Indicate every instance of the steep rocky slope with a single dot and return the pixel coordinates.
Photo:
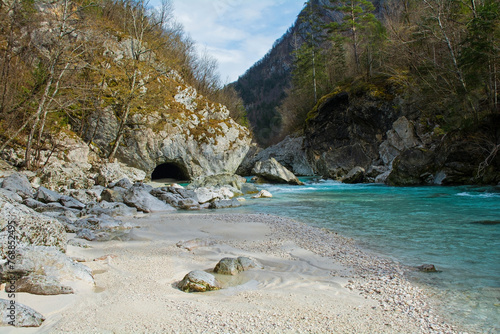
(114, 75)
(374, 127)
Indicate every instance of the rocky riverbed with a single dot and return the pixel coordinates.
(310, 280)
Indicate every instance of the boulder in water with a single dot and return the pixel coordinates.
(427, 268)
(272, 171)
(263, 194)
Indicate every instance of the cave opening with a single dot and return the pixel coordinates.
(171, 172)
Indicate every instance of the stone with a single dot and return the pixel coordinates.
(30, 227)
(355, 175)
(25, 316)
(144, 201)
(188, 204)
(228, 266)
(263, 194)
(41, 285)
(111, 209)
(249, 263)
(114, 172)
(233, 266)
(59, 175)
(90, 235)
(218, 181)
(102, 223)
(413, 167)
(199, 281)
(113, 195)
(33, 203)
(47, 261)
(206, 195)
(12, 195)
(19, 184)
(195, 243)
(122, 183)
(272, 171)
(225, 203)
(70, 202)
(428, 268)
(249, 188)
(143, 187)
(47, 196)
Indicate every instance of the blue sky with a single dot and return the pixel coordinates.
(236, 32)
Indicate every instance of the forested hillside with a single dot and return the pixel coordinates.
(66, 66)
(444, 55)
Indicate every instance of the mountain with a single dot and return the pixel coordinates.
(264, 86)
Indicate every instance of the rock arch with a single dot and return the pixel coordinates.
(171, 170)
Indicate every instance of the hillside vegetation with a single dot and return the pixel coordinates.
(65, 63)
(442, 55)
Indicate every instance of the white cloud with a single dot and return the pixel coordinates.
(236, 32)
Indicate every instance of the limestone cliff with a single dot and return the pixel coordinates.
(124, 84)
(377, 128)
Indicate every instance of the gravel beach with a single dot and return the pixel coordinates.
(312, 281)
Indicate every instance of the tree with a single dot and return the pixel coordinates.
(479, 57)
(357, 18)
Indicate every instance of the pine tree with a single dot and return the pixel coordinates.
(357, 18)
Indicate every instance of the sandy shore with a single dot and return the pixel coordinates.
(313, 281)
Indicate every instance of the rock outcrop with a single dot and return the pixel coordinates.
(289, 152)
(345, 130)
(181, 128)
(374, 128)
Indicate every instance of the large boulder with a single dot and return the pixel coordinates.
(355, 175)
(289, 152)
(115, 172)
(144, 201)
(46, 261)
(41, 285)
(28, 226)
(19, 314)
(45, 195)
(19, 184)
(273, 172)
(110, 209)
(199, 281)
(415, 166)
(217, 181)
(59, 175)
(233, 266)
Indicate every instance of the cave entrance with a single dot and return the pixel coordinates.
(169, 172)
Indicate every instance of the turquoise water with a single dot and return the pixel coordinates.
(455, 228)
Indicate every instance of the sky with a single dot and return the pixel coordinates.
(236, 32)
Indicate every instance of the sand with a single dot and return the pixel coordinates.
(312, 281)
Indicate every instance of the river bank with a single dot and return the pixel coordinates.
(312, 280)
